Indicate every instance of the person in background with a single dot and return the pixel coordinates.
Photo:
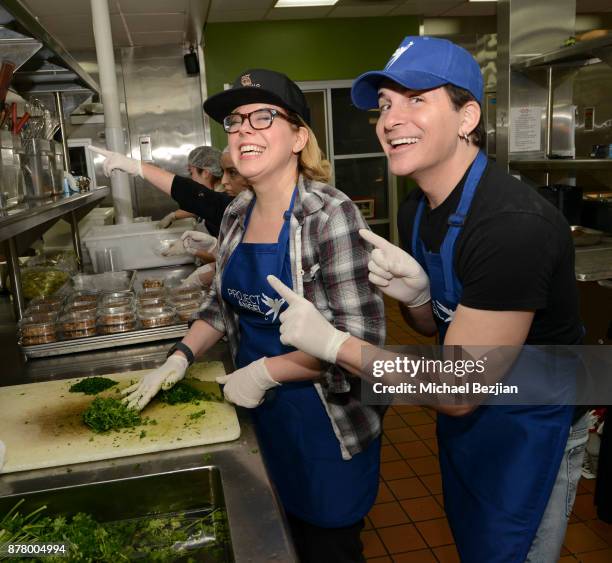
(232, 181)
(320, 443)
(485, 261)
(190, 195)
(204, 167)
(204, 202)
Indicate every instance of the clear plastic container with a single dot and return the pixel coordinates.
(146, 302)
(117, 327)
(151, 283)
(80, 333)
(42, 309)
(37, 329)
(77, 321)
(36, 326)
(187, 310)
(53, 301)
(84, 296)
(116, 315)
(34, 340)
(82, 301)
(117, 299)
(186, 296)
(157, 316)
(152, 292)
(81, 307)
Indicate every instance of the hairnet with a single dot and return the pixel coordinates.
(208, 158)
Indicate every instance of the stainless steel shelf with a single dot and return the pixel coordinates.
(581, 53)
(92, 343)
(584, 164)
(23, 218)
(25, 22)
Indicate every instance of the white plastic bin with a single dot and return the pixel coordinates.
(139, 244)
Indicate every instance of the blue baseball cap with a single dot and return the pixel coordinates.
(421, 63)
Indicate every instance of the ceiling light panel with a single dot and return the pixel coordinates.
(303, 3)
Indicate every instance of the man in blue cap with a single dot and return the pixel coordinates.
(484, 262)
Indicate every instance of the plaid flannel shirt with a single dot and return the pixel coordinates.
(329, 266)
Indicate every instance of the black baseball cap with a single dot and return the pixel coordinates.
(258, 85)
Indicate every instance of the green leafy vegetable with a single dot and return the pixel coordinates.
(197, 415)
(106, 414)
(92, 385)
(165, 537)
(182, 393)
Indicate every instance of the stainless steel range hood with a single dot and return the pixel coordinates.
(49, 67)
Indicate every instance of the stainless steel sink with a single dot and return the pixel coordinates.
(193, 492)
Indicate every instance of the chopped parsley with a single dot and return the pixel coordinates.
(92, 385)
(106, 414)
(196, 415)
(181, 393)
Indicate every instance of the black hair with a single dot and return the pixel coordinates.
(459, 97)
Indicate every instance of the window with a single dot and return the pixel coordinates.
(347, 136)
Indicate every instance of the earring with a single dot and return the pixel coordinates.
(465, 137)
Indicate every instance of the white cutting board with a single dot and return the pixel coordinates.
(41, 425)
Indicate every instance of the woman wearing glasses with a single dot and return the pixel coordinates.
(320, 443)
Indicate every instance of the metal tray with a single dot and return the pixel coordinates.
(92, 343)
(108, 281)
(171, 275)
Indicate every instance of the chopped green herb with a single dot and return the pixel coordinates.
(106, 414)
(181, 393)
(92, 385)
(143, 433)
(164, 537)
(197, 415)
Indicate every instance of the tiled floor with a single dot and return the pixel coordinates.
(407, 523)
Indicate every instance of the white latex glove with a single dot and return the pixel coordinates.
(2, 453)
(303, 327)
(177, 248)
(116, 161)
(167, 220)
(247, 386)
(201, 277)
(137, 396)
(196, 241)
(395, 272)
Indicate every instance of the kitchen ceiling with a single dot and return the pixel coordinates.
(164, 22)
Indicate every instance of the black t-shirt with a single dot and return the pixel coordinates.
(196, 198)
(515, 252)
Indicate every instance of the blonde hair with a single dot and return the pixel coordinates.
(311, 161)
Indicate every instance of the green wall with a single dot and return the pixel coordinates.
(325, 49)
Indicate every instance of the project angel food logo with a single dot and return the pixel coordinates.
(255, 302)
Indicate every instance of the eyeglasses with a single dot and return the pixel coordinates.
(258, 119)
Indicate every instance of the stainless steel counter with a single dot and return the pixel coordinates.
(257, 526)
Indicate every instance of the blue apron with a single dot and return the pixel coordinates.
(499, 463)
(296, 437)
